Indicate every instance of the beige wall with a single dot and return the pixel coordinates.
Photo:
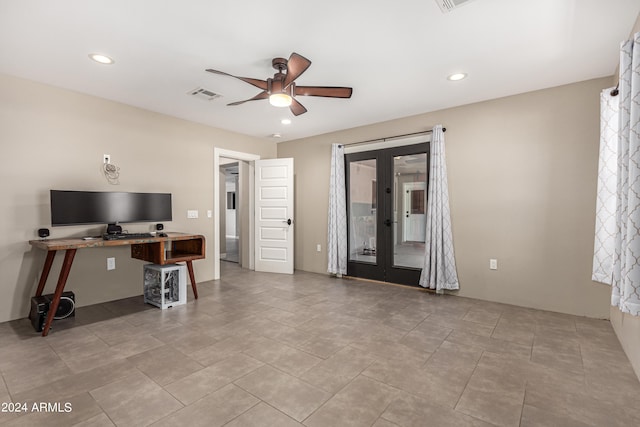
(522, 182)
(54, 138)
(628, 327)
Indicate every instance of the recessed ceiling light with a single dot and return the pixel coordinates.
(457, 76)
(102, 59)
(285, 121)
(276, 135)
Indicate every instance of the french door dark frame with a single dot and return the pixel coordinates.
(383, 269)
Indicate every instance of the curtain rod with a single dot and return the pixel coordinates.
(390, 137)
(615, 91)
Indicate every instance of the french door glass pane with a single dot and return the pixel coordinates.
(409, 209)
(362, 210)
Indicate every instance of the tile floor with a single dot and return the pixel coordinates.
(308, 350)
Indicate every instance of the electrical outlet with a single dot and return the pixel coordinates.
(493, 264)
(106, 158)
(192, 214)
(209, 214)
(111, 263)
(318, 248)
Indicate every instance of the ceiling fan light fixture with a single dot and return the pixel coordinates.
(282, 89)
(280, 100)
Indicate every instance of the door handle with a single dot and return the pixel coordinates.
(387, 222)
(288, 221)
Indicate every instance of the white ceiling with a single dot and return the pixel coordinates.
(395, 55)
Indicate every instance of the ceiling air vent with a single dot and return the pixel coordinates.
(449, 5)
(205, 94)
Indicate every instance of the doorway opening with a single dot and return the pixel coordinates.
(244, 203)
(386, 209)
(230, 226)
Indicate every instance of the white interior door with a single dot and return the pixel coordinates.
(274, 215)
(414, 205)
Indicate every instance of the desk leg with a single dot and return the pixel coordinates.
(62, 280)
(193, 278)
(45, 272)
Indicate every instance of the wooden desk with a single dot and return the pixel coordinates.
(184, 248)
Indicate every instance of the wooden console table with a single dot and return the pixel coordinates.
(184, 248)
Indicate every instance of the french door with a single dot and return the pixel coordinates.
(387, 206)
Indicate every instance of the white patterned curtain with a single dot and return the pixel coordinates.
(439, 268)
(337, 226)
(625, 292)
(605, 236)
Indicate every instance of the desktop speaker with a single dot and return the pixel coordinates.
(159, 227)
(43, 233)
(40, 308)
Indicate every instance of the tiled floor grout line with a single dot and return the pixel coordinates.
(468, 380)
(524, 399)
(245, 411)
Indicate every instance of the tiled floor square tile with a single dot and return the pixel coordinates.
(215, 409)
(421, 341)
(410, 411)
(226, 347)
(288, 394)
(100, 420)
(493, 405)
(534, 417)
(202, 382)
(358, 404)
(320, 347)
(492, 345)
(165, 364)
(484, 317)
(381, 422)
(567, 400)
(135, 401)
(283, 357)
(263, 415)
(520, 333)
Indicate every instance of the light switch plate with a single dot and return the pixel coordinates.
(493, 264)
(192, 214)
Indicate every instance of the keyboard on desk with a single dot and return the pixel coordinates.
(125, 236)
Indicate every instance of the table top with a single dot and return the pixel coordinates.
(79, 242)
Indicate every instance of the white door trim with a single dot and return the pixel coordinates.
(236, 155)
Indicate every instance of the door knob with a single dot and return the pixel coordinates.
(288, 221)
(387, 222)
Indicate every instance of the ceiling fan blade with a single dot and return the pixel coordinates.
(262, 84)
(296, 65)
(261, 95)
(297, 108)
(326, 91)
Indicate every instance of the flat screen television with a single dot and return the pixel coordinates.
(108, 207)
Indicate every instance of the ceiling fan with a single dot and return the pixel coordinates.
(281, 89)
